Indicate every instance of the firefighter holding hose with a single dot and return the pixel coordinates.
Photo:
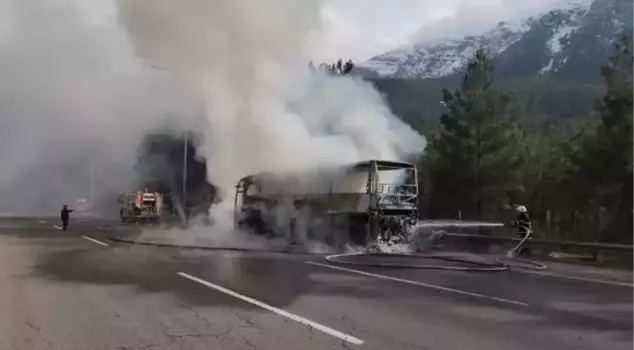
(522, 225)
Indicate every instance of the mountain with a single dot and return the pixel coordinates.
(571, 42)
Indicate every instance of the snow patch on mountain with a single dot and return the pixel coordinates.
(547, 37)
(555, 42)
(441, 58)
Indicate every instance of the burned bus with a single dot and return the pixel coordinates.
(356, 204)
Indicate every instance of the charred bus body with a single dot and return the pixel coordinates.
(356, 204)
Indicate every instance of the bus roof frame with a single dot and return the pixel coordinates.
(358, 166)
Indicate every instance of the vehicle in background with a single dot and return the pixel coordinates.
(141, 206)
(82, 205)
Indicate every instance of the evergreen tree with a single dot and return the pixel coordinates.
(604, 165)
(473, 158)
(545, 177)
(338, 68)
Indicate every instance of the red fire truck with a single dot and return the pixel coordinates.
(141, 206)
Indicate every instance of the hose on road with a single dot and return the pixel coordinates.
(207, 247)
(373, 259)
(500, 263)
(477, 266)
(511, 256)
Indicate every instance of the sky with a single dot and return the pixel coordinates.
(360, 29)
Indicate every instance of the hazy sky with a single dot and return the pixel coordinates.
(360, 29)
(363, 28)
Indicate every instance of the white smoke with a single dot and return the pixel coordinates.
(73, 97)
(265, 111)
(80, 88)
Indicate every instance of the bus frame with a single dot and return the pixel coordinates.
(379, 210)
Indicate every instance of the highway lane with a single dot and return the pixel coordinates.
(60, 290)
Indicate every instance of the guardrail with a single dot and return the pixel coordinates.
(595, 249)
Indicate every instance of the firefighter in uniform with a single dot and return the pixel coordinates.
(522, 225)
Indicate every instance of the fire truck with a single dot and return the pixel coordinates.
(141, 206)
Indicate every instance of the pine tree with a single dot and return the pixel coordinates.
(605, 161)
(474, 157)
(338, 68)
(545, 177)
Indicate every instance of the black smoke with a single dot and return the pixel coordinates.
(161, 162)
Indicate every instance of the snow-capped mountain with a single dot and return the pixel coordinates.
(562, 41)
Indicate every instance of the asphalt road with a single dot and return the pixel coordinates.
(79, 290)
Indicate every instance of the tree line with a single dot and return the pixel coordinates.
(574, 176)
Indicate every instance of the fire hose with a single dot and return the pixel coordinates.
(499, 263)
(511, 256)
(495, 266)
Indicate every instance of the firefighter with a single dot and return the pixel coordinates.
(65, 216)
(523, 222)
(522, 225)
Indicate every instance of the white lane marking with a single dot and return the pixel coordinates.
(420, 284)
(95, 241)
(584, 279)
(273, 309)
(42, 221)
(57, 227)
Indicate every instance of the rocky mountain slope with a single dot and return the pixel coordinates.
(570, 42)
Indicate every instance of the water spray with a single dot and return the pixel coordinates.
(459, 223)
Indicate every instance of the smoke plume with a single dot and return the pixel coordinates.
(74, 103)
(265, 111)
(84, 80)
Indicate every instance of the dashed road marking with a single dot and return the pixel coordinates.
(42, 221)
(299, 319)
(95, 241)
(420, 284)
(57, 227)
